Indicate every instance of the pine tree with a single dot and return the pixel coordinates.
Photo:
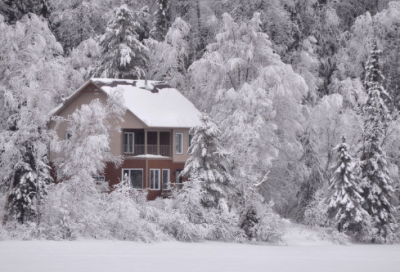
(123, 55)
(377, 184)
(161, 21)
(345, 192)
(207, 164)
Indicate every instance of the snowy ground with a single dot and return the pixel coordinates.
(303, 252)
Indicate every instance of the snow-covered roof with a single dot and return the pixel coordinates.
(157, 105)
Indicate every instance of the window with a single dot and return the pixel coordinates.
(99, 178)
(165, 178)
(154, 179)
(134, 177)
(129, 139)
(68, 135)
(179, 143)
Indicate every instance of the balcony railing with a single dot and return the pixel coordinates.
(152, 149)
(165, 150)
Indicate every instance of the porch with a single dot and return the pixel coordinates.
(142, 142)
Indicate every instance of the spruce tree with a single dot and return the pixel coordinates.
(123, 55)
(345, 192)
(377, 184)
(161, 20)
(207, 164)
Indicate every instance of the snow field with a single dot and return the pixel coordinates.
(304, 251)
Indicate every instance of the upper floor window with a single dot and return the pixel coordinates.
(179, 143)
(129, 139)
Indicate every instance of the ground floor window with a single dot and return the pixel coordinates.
(165, 178)
(155, 179)
(99, 178)
(134, 176)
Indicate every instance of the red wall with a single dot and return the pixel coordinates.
(114, 175)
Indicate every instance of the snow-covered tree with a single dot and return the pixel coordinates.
(377, 183)
(258, 219)
(161, 20)
(208, 164)
(168, 58)
(32, 76)
(77, 198)
(315, 211)
(345, 200)
(243, 84)
(313, 177)
(210, 184)
(123, 54)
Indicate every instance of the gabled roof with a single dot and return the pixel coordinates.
(157, 105)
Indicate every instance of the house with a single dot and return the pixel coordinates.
(154, 137)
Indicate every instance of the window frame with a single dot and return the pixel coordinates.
(133, 142)
(162, 175)
(130, 183)
(159, 179)
(99, 176)
(181, 143)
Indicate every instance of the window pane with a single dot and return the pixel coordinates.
(157, 179)
(178, 143)
(151, 179)
(165, 177)
(137, 179)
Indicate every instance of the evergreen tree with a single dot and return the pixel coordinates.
(161, 20)
(210, 189)
(345, 198)
(207, 164)
(123, 55)
(377, 184)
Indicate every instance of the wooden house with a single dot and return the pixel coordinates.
(154, 137)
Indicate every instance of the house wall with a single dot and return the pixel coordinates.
(180, 157)
(114, 175)
(84, 98)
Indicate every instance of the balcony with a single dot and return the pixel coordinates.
(158, 143)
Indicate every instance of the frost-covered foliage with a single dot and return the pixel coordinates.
(210, 192)
(123, 55)
(258, 219)
(377, 183)
(168, 60)
(313, 177)
(207, 164)
(33, 76)
(246, 87)
(76, 21)
(315, 211)
(77, 198)
(345, 198)
(161, 20)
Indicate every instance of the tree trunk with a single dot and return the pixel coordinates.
(7, 204)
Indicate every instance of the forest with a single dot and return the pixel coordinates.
(300, 123)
